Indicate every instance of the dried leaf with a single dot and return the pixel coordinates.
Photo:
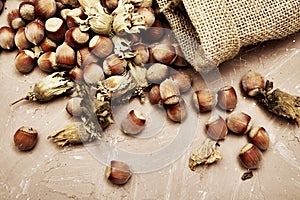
(206, 154)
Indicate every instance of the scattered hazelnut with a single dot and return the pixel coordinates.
(76, 74)
(154, 95)
(48, 45)
(26, 10)
(148, 15)
(252, 83)
(250, 156)
(227, 98)
(169, 92)
(55, 29)
(45, 8)
(25, 138)
(260, 137)
(118, 172)
(34, 32)
(74, 107)
(101, 46)
(142, 54)
(75, 38)
(134, 123)
(183, 81)
(65, 56)
(7, 38)
(25, 61)
(114, 65)
(92, 73)
(177, 112)
(216, 128)
(157, 72)
(204, 100)
(164, 53)
(14, 19)
(239, 123)
(20, 40)
(46, 62)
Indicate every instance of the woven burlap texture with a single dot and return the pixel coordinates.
(213, 31)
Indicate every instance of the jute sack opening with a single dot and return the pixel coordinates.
(213, 31)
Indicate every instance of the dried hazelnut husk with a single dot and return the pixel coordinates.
(47, 45)
(157, 73)
(239, 123)
(21, 41)
(55, 29)
(216, 128)
(101, 46)
(93, 73)
(25, 61)
(27, 10)
(227, 98)
(141, 54)
(65, 56)
(183, 81)
(75, 38)
(118, 172)
(253, 83)
(25, 138)
(47, 62)
(134, 123)
(164, 53)
(7, 38)
(260, 137)
(35, 32)
(204, 100)
(154, 95)
(15, 21)
(45, 8)
(169, 92)
(250, 156)
(177, 112)
(114, 65)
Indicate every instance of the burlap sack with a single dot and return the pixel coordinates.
(222, 27)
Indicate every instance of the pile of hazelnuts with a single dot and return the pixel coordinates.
(238, 123)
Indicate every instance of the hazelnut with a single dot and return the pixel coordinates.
(45, 8)
(252, 83)
(141, 54)
(169, 92)
(92, 73)
(20, 40)
(65, 56)
(164, 53)
(7, 38)
(154, 95)
(148, 15)
(14, 19)
(260, 137)
(250, 156)
(74, 107)
(46, 62)
(157, 72)
(204, 100)
(34, 32)
(101, 46)
(55, 29)
(25, 138)
(114, 65)
(26, 10)
(75, 38)
(177, 112)
(25, 61)
(227, 98)
(84, 57)
(76, 73)
(154, 33)
(118, 172)
(216, 128)
(48, 45)
(239, 123)
(183, 81)
(134, 123)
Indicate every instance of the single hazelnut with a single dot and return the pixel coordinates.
(75, 38)
(252, 83)
(45, 8)
(148, 15)
(93, 73)
(239, 123)
(47, 62)
(164, 53)
(154, 95)
(182, 80)
(27, 10)
(7, 38)
(25, 61)
(47, 45)
(76, 74)
(74, 107)
(180, 60)
(227, 98)
(250, 156)
(114, 65)
(177, 112)
(25, 138)
(153, 33)
(34, 32)
(55, 29)
(141, 54)
(260, 137)
(169, 92)
(118, 172)
(204, 100)
(65, 56)
(157, 73)
(15, 21)
(20, 40)
(216, 128)
(101, 46)
(84, 56)
(134, 123)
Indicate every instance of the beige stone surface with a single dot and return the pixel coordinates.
(49, 172)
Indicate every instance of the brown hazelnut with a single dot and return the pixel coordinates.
(239, 123)
(35, 32)
(65, 56)
(164, 53)
(118, 172)
(227, 98)
(76, 73)
(204, 100)
(15, 21)
(21, 41)
(84, 57)
(7, 38)
(157, 72)
(93, 73)
(154, 95)
(47, 45)
(250, 156)
(216, 128)
(183, 81)
(74, 107)
(169, 92)
(55, 29)
(25, 61)
(75, 38)
(252, 83)
(141, 54)
(101, 46)
(114, 65)
(260, 137)
(46, 62)
(148, 15)
(177, 112)
(134, 123)
(45, 8)
(25, 138)
(26, 10)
